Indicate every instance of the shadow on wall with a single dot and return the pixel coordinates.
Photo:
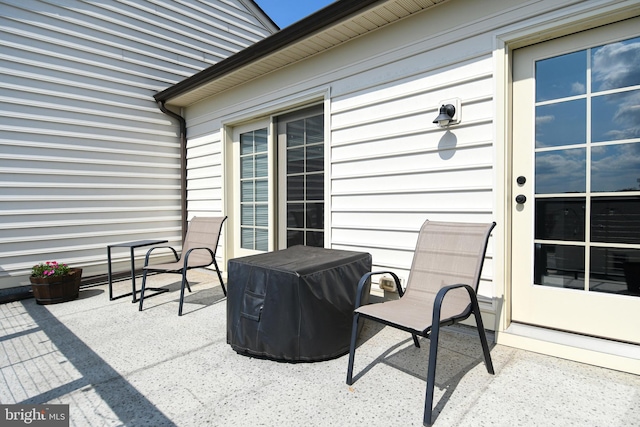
(447, 145)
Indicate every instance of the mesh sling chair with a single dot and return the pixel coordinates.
(198, 250)
(441, 291)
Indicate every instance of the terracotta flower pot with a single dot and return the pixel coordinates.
(53, 290)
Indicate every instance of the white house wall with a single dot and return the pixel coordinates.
(86, 157)
(391, 167)
(204, 175)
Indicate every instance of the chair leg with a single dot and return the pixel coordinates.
(352, 348)
(483, 337)
(224, 290)
(415, 340)
(184, 282)
(144, 284)
(431, 373)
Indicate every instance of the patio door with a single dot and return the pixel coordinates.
(253, 194)
(278, 195)
(301, 178)
(576, 183)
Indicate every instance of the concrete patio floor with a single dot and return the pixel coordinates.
(116, 366)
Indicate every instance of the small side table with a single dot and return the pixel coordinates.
(132, 246)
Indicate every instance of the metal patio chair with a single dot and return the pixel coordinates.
(198, 251)
(441, 290)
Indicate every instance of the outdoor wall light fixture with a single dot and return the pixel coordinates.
(445, 116)
(449, 113)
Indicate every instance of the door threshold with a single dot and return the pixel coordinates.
(605, 353)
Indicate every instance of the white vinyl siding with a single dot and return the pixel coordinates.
(204, 176)
(87, 158)
(390, 166)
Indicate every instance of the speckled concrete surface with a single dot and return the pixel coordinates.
(116, 366)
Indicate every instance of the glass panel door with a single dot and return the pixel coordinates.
(577, 162)
(254, 190)
(251, 200)
(302, 178)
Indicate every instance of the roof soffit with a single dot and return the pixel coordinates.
(379, 15)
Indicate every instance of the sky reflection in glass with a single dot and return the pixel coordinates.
(615, 117)
(563, 123)
(561, 76)
(561, 171)
(615, 167)
(616, 65)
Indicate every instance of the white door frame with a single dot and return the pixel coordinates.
(268, 110)
(570, 346)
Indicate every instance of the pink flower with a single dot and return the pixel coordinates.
(49, 269)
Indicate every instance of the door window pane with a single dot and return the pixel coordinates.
(295, 237)
(315, 129)
(615, 219)
(563, 123)
(295, 133)
(295, 188)
(262, 190)
(260, 140)
(315, 158)
(561, 171)
(246, 167)
(261, 165)
(616, 65)
(246, 143)
(615, 167)
(615, 117)
(262, 240)
(615, 271)
(295, 215)
(560, 219)
(247, 215)
(315, 238)
(315, 187)
(262, 216)
(315, 215)
(246, 191)
(246, 237)
(561, 76)
(559, 266)
(295, 160)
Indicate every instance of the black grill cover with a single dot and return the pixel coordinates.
(295, 304)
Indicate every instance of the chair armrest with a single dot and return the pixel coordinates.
(146, 258)
(367, 276)
(437, 304)
(186, 256)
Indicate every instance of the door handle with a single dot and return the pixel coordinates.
(521, 199)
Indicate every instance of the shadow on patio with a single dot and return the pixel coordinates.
(116, 366)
